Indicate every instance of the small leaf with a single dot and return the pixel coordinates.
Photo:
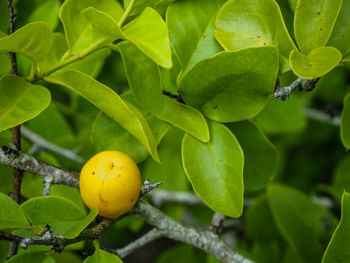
(260, 155)
(191, 30)
(101, 256)
(110, 103)
(345, 123)
(316, 63)
(252, 23)
(11, 214)
(230, 87)
(150, 34)
(314, 21)
(63, 216)
(340, 37)
(78, 31)
(20, 101)
(32, 257)
(302, 223)
(36, 49)
(338, 248)
(144, 79)
(215, 169)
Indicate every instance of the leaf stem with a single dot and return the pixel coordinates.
(126, 13)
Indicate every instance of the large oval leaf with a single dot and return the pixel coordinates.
(338, 247)
(230, 86)
(345, 123)
(314, 21)
(250, 23)
(215, 169)
(78, 31)
(191, 30)
(316, 63)
(101, 256)
(63, 216)
(36, 49)
(144, 79)
(11, 214)
(302, 223)
(110, 103)
(340, 37)
(150, 34)
(20, 101)
(260, 155)
(32, 257)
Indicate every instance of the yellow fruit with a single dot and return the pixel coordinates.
(110, 181)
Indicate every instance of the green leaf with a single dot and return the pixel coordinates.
(144, 80)
(316, 63)
(345, 123)
(46, 11)
(150, 34)
(109, 135)
(191, 30)
(140, 5)
(36, 49)
(79, 32)
(251, 23)
(215, 169)
(314, 21)
(32, 257)
(5, 61)
(338, 247)
(341, 178)
(12, 215)
(20, 101)
(282, 116)
(302, 223)
(110, 103)
(340, 37)
(101, 256)
(63, 216)
(230, 87)
(260, 155)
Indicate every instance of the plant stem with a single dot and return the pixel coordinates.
(126, 13)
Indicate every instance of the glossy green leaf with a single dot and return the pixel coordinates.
(260, 155)
(215, 169)
(110, 103)
(36, 49)
(11, 215)
(340, 37)
(20, 101)
(302, 223)
(338, 247)
(140, 5)
(316, 63)
(314, 21)
(251, 23)
(345, 123)
(230, 87)
(101, 256)
(109, 135)
(5, 61)
(63, 216)
(144, 80)
(46, 11)
(79, 32)
(32, 257)
(150, 34)
(191, 30)
(282, 116)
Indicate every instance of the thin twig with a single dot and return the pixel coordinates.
(150, 236)
(216, 222)
(148, 187)
(42, 143)
(303, 84)
(322, 117)
(163, 196)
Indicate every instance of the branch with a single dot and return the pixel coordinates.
(150, 236)
(28, 163)
(148, 187)
(322, 117)
(163, 196)
(42, 143)
(216, 222)
(303, 84)
(205, 240)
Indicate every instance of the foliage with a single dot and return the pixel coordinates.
(185, 88)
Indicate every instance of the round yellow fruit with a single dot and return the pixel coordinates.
(111, 182)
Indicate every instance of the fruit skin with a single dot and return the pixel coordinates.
(110, 181)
